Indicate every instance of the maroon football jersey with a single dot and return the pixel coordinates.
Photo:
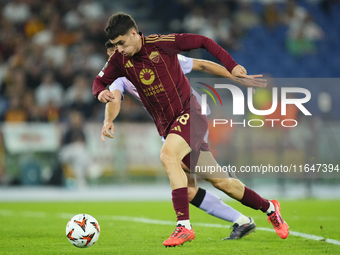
(156, 73)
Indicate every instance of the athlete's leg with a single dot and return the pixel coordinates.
(209, 202)
(173, 151)
(192, 187)
(213, 205)
(176, 148)
(230, 186)
(237, 190)
(192, 182)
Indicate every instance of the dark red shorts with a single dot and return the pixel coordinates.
(191, 159)
(192, 127)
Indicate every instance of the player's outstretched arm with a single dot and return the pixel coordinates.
(210, 68)
(112, 110)
(238, 75)
(186, 42)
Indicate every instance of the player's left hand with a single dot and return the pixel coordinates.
(107, 130)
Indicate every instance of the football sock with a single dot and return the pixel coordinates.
(254, 200)
(242, 220)
(213, 205)
(271, 208)
(180, 201)
(184, 223)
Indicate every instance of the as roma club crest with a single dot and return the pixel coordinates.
(154, 56)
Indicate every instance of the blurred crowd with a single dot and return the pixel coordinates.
(49, 53)
(51, 50)
(227, 22)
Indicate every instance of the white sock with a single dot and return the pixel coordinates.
(271, 208)
(185, 223)
(213, 205)
(242, 220)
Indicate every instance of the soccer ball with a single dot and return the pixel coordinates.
(82, 230)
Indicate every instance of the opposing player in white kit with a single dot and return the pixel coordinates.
(198, 197)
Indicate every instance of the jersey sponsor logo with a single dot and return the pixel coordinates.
(128, 64)
(153, 90)
(154, 56)
(147, 76)
(101, 73)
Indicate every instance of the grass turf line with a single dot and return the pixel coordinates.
(39, 228)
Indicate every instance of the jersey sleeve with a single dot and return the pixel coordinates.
(106, 76)
(187, 42)
(185, 63)
(119, 84)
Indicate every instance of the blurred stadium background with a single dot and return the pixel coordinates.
(50, 52)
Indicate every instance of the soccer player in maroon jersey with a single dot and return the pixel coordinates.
(198, 197)
(151, 64)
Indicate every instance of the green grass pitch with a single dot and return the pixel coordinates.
(141, 227)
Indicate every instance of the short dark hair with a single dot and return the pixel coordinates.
(119, 24)
(108, 45)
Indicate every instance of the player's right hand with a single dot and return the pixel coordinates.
(105, 96)
(239, 71)
(107, 130)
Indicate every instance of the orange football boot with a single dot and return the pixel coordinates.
(280, 226)
(179, 236)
